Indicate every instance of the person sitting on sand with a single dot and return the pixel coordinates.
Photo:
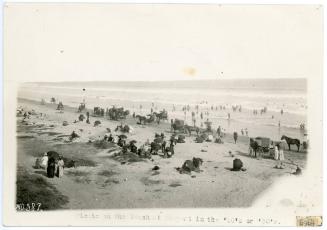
(44, 161)
(133, 148)
(218, 140)
(110, 138)
(141, 150)
(73, 135)
(121, 142)
(238, 165)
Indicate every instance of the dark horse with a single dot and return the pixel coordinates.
(254, 145)
(291, 141)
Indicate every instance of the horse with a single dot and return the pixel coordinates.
(162, 115)
(291, 141)
(254, 145)
(141, 119)
(190, 128)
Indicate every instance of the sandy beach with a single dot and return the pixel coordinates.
(103, 181)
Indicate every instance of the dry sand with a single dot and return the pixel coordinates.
(111, 184)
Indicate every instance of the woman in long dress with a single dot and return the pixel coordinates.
(51, 167)
(44, 161)
(60, 170)
(276, 155)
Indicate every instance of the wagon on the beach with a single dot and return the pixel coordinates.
(117, 113)
(261, 146)
(264, 144)
(178, 125)
(98, 112)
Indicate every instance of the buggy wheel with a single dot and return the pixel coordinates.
(259, 151)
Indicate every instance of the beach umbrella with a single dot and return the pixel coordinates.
(53, 154)
(122, 136)
(133, 141)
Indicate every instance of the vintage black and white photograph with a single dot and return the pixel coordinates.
(154, 106)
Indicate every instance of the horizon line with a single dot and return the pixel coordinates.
(177, 80)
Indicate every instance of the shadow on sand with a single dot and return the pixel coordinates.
(41, 172)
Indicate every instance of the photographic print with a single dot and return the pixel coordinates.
(116, 112)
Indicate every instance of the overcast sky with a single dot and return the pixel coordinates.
(161, 42)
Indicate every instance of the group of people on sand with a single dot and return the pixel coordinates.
(146, 149)
(53, 166)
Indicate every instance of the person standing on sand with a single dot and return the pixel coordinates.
(171, 147)
(235, 135)
(163, 146)
(228, 116)
(276, 153)
(281, 147)
(44, 161)
(246, 132)
(51, 167)
(219, 131)
(87, 117)
(242, 132)
(60, 169)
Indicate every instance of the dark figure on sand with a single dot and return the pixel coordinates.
(87, 117)
(51, 167)
(219, 131)
(254, 145)
(235, 136)
(133, 148)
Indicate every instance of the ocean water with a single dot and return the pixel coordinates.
(139, 97)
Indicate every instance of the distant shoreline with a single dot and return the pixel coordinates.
(296, 84)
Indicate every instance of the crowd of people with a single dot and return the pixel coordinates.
(147, 149)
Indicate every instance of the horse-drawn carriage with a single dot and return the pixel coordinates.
(98, 112)
(178, 125)
(117, 113)
(260, 146)
(162, 115)
(81, 107)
